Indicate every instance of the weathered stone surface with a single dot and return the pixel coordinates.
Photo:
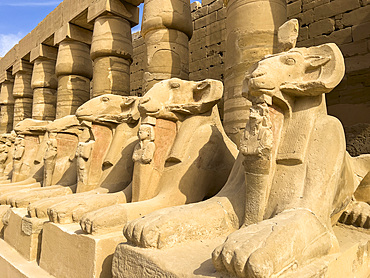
(166, 30)
(74, 71)
(248, 39)
(111, 51)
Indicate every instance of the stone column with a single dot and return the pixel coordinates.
(251, 33)
(22, 91)
(167, 29)
(6, 102)
(111, 48)
(44, 82)
(73, 68)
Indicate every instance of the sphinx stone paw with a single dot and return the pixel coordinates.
(357, 214)
(273, 246)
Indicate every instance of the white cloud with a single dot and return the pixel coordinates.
(32, 4)
(7, 41)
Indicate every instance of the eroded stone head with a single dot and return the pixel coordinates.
(173, 98)
(109, 108)
(298, 72)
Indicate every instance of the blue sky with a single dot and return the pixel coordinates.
(19, 17)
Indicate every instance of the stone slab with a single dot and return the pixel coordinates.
(13, 265)
(23, 236)
(3, 210)
(67, 252)
(193, 259)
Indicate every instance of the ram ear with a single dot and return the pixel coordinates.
(206, 94)
(324, 70)
(287, 35)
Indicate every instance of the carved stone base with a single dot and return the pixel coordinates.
(13, 265)
(67, 252)
(194, 259)
(3, 210)
(23, 233)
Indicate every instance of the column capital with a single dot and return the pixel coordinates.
(6, 76)
(125, 9)
(44, 51)
(22, 66)
(74, 32)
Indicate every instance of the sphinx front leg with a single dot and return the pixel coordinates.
(273, 246)
(21, 200)
(174, 225)
(117, 216)
(74, 208)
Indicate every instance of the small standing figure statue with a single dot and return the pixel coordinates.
(144, 150)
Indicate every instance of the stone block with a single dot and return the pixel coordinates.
(52, 22)
(305, 18)
(357, 63)
(13, 265)
(355, 17)
(71, 31)
(310, 4)
(303, 33)
(116, 7)
(26, 241)
(202, 11)
(335, 7)
(193, 259)
(68, 252)
(221, 14)
(294, 8)
(215, 27)
(361, 31)
(22, 65)
(325, 26)
(339, 37)
(207, 2)
(218, 4)
(44, 51)
(205, 21)
(354, 48)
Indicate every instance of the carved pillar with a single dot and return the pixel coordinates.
(22, 91)
(111, 48)
(73, 68)
(6, 102)
(251, 33)
(44, 82)
(167, 29)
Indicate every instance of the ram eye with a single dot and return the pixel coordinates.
(175, 85)
(105, 99)
(289, 61)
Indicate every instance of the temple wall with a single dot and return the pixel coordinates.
(344, 22)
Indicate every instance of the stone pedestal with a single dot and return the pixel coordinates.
(13, 265)
(67, 252)
(74, 71)
(251, 33)
(23, 233)
(167, 29)
(193, 259)
(44, 82)
(22, 91)
(7, 103)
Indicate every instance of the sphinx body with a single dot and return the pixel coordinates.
(290, 181)
(183, 155)
(103, 160)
